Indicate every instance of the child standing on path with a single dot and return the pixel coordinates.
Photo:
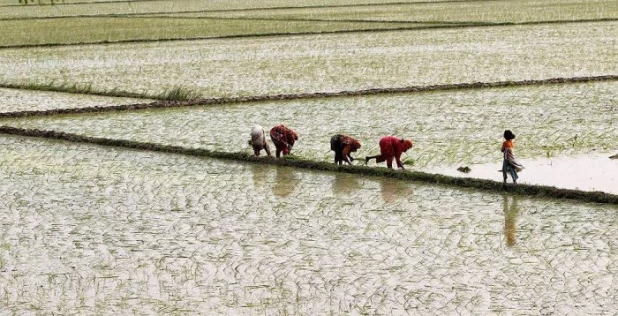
(510, 165)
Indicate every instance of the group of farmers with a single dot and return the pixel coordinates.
(283, 137)
(391, 147)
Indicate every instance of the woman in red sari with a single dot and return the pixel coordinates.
(283, 138)
(391, 147)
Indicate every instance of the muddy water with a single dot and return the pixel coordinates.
(12, 100)
(88, 229)
(585, 172)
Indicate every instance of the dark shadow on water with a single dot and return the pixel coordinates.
(344, 184)
(510, 219)
(393, 190)
(286, 181)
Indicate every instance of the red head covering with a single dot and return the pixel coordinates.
(407, 144)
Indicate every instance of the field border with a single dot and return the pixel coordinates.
(413, 176)
(161, 104)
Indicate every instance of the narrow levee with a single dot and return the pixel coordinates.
(487, 185)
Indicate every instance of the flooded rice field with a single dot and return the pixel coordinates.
(116, 29)
(89, 229)
(549, 120)
(115, 7)
(327, 63)
(440, 11)
(591, 172)
(12, 100)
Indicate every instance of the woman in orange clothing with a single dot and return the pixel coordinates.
(510, 165)
(283, 138)
(344, 146)
(391, 147)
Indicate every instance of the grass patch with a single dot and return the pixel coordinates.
(178, 94)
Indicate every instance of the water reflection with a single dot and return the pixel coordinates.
(286, 180)
(260, 174)
(344, 184)
(510, 219)
(395, 189)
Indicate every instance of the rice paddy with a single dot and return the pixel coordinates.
(14, 100)
(120, 231)
(326, 63)
(128, 187)
(557, 120)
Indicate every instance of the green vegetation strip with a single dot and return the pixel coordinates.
(171, 94)
(180, 97)
(275, 33)
(486, 185)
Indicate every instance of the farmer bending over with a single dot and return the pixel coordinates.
(284, 139)
(258, 140)
(391, 147)
(344, 146)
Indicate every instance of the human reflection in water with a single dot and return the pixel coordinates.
(510, 219)
(286, 180)
(393, 189)
(260, 174)
(344, 184)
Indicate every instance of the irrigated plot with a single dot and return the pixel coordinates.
(448, 127)
(133, 7)
(442, 11)
(88, 229)
(334, 62)
(590, 172)
(115, 29)
(13, 100)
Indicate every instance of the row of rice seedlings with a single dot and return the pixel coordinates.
(177, 93)
(194, 98)
(301, 60)
(487, 185)
(16, 100)
(495, 12)
(185, 29)
(129, 28)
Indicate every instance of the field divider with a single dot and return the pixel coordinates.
(297, 96)
(414, 176)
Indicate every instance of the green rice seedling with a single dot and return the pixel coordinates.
(178, 93)
(465, 169)
(409, 161)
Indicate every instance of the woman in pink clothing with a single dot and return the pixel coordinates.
(391, 147)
